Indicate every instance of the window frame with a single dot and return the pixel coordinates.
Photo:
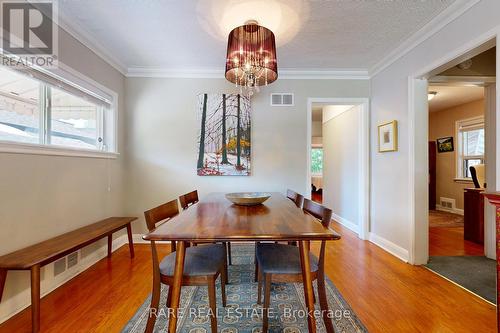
(459, 151)
(107, 122)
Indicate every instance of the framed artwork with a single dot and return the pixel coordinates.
(388, 136)
(224, 135)
(445, 145)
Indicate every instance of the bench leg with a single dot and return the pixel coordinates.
(3, 278)
(35, 298)
(130, 242)
(110, 245)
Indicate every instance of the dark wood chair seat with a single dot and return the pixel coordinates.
(199, 260)
(281, 259)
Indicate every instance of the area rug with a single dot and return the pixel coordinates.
(242, 314)
(439, 218)
(475, 273)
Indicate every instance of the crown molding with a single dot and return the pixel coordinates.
(84, 37)
(286, 73)
(447, 16)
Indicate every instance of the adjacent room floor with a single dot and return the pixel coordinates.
(387, 294)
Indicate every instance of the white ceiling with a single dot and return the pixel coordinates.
(450, 96)
(191, 35)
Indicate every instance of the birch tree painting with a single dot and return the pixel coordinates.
(224, 135)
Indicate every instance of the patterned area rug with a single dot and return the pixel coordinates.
(439, 218)
(242, 314)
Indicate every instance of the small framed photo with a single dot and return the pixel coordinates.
(388, 136)
(445, 145)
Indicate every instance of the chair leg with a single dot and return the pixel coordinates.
(267, 300)
(256, 275)
(212, 303)
(225, 276)
(169, 297)
(259, 289)
(223, 279)
(229, 253)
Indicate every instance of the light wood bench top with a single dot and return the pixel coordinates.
(47, 251)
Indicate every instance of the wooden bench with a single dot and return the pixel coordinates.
(33, 257)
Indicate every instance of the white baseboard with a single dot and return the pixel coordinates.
(346, 223)
(452, 210)
(390, 247)
(22, 300)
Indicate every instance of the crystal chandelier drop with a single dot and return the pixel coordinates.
(251, 57)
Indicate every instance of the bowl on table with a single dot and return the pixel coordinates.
(248, 198)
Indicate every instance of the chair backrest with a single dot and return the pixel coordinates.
(478, 177)
(188, 199)
(295, 197)
(319, 211)
(161, 213)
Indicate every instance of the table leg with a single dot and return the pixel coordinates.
(323, 301)
(35, 298)
(155, 295)
(308, 286)
(176, 286)
(110, 245)
(130, 241)
(3, 278)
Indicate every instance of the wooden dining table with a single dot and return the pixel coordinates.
(216, 219)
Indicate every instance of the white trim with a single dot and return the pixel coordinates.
(389, 246)
(452, 210)
(84, 37)
(346, 223)
(436, 24)
(364, 155)
(52, 150)
(216, 73)
(22, 300)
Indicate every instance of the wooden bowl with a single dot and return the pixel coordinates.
(248, 198)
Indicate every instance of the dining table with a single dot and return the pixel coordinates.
(216, 219)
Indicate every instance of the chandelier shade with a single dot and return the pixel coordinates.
(251, 56)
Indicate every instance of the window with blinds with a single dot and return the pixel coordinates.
(470, 151)
(37, 107)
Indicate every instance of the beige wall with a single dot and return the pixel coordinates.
(161, 138)
(442, 124)
(43, 196)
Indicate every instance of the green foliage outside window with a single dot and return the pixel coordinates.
(317, 161)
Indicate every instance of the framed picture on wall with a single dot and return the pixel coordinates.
(388, 136)
(445, 145)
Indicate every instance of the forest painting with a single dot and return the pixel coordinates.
(224, 135)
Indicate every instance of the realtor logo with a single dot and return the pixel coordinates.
(29, 32)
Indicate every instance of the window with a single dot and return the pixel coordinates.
(470, 145)
(41, 109)
(317, 161)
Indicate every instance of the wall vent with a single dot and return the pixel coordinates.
(72, 259)
(447, 203)
(59, 266)
(282, 99)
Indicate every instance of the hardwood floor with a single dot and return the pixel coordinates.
(386, 294)
(449, 241)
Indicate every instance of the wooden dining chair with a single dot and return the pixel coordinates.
(190, 199)
(295, 197)
(202, 265)
(281, 263)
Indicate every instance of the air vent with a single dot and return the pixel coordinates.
(283, 99)
(447, 203)
(59, 266)
(72, 259)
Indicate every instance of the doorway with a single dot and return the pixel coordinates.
(338, 134)
(454, 224)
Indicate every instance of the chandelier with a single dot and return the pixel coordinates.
(251, 57)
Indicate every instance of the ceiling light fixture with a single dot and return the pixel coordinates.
(431, 95)
(251, 57)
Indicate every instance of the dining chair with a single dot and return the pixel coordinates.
(202, 264)
(281, 262)
(190, 199)
(295, 197)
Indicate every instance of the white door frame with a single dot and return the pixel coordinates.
(364, 155)
(419, 231)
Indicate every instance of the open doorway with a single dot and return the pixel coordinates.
(337, 159)
(460, 132)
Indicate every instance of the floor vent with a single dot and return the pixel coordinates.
(282, 99)
(72, 259)
(59, 266)
(447, 203)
